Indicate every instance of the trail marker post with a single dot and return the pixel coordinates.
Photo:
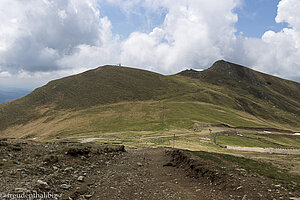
(174, 141)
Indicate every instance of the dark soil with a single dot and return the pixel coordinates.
(103, 171)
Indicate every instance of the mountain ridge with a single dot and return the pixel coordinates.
(224, 86)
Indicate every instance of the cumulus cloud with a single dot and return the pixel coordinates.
(191, 35)
(53, 38)
(5, 75)
(197, 33)
(90, 56)
(278, 52)
(36, 35)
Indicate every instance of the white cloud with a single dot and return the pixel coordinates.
(197, 33)
(192, 35)
(91, 56)
(278, 53)
(52, 38)
(5, 75)
(35, 35)
(288, 11)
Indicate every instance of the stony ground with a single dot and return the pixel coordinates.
(103, 171)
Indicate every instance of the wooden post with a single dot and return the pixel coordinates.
(174, 141)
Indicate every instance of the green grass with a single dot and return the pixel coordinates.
(234, 140)
(161, 141)
(260, 167)
(290, 142)
(161, 115)
(153, 116)
(263, 168)
(112, 98)
(183, 114)
(208, 156)
(256, 140)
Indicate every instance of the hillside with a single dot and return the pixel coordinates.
(113, 98)
(104, 85)
(253, 92)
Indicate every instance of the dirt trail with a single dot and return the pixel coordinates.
(81, 171)
(92, 171)
(140, 174)
(155, 174)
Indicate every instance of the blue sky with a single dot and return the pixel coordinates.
(125, 23)
(258, 16)
(45, 40)
(255, 17)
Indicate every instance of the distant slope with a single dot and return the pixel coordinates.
(253, 92)
(112, 98)
(104, 85)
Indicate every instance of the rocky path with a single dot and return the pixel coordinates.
(81, 171)
(91, 171)
(140, 174)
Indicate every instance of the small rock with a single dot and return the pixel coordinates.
(88, 196)
(42, 168)
(65, 186)
(240, 187)
(42, 184)
(68, 169)
(260, 194)
(21, 190)
(169, 164)
(244, 197)
(74, 151)
(139, 164)
(80, 178)
(277, 186)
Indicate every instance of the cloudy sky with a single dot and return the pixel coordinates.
(47, 39)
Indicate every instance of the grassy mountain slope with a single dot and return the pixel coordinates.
(104, 85)
(256, 93)
(112, 98)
